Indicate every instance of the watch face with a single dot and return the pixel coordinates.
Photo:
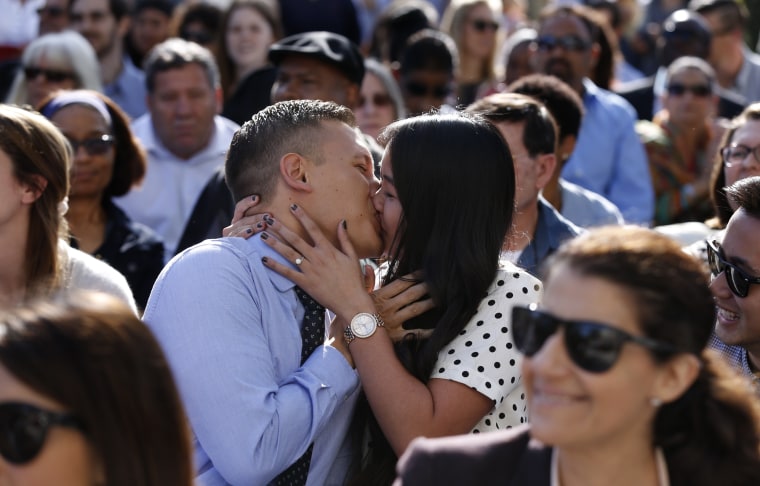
(363, 325)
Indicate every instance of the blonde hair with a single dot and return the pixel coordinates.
(68, 48)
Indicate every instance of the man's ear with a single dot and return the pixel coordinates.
(218, 99)
(566, 147)
(353, 92)
(545, 165)
(122, 26)
(31, 192)
(675, 377)
(294, 172)
(595, 52)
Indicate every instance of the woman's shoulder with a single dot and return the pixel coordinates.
(491, 458)
(85, 272)
(510, 276)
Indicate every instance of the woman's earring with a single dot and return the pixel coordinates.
(656, 402)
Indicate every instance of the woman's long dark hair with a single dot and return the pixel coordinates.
(455, 180)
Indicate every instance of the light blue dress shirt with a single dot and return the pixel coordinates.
(129, 90)
(609, 159)
(231, 331)
(586, 208)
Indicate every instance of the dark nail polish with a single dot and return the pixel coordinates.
(345, 225)
(268, 220)
(259, 226)
(293, 207)
(264, 259)
(249, 231)
(254, 198)
(264, 236)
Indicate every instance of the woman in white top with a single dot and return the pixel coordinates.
(34, 180)
(445, 205)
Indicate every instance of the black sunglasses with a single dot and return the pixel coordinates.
(738, 281)
(592, 346)
(50, 74)
(700, 90)
(377, 99)
(567, 42)
(735, 154)
(93, 146)
(51, 11)
(422, 89)
(484, 25)
(23, 429)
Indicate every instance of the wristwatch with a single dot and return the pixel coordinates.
(362, 326)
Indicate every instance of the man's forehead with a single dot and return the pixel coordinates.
(566, 23)
(296, 63)
(90, 6)
(739, 241)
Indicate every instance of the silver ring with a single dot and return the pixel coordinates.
(298, 261)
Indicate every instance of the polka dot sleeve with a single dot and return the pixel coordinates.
(484, 357)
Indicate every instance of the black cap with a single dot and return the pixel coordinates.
(329, 47)
(684, 23)
(702, 6)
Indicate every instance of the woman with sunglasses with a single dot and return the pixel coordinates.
(620, 387)
(380, 100)
(681, 142)
(108, 161)
(444, 223)
(35, 259)
(87, 398)
(473, 25)
(63, 60)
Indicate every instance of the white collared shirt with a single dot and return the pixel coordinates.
(167, 195)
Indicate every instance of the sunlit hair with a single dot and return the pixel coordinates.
(65, 50)
(40, 156)
(91, 355)
(685, 63)
(669, 291)
(722, 208)
(252, 165)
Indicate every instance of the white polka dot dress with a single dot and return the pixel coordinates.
(484, 357)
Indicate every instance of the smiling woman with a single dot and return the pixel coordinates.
(108, 161)
(620, 387)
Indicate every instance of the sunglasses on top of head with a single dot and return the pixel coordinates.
(737, 280)
(592, 346)
(24, 427)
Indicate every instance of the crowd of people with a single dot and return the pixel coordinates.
(348, 242)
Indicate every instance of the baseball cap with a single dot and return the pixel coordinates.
(329, 47)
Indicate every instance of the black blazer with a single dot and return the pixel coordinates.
(640, 94)
(504, 458)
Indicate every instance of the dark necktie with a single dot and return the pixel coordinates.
(312, 336)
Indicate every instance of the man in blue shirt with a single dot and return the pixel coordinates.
(105, 23)
(735, 266)
(608, 157)
(231, 328)
(530, 131)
